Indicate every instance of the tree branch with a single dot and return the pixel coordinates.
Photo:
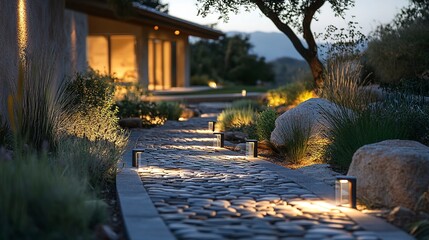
(306, 24)
(283, 28)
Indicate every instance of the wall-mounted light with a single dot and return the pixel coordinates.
(212, 125)
(251, 148)
(155, 28)
(219, 140)
(345, 191)
(137, 156)
(177, 32)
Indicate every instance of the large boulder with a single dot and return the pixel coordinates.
(391, 173)
(307, 115)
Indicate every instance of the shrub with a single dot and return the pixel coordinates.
(200, 80)
(169, 110)
(265, 124)
(97, 160)
(400, 52)
(296, 146)
(35, 102)
(343, 84)
(286, 95)
(232, 118)
(38, 201)
(246, 103)
(92, 114)
(350, 131)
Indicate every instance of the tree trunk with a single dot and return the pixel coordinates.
(317, 70)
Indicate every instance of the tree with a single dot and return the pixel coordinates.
(229, 60)
(291, 17)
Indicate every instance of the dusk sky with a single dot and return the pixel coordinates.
(369, 14)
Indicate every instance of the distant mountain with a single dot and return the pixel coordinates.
(271, 45)
(287, 70)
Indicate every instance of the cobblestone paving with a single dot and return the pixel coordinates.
(205, 193)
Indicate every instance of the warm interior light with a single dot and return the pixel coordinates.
(344, 181)
(73, 41)
(155, 28)
(22, 28)
(177, 32)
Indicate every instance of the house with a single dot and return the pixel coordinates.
(144, 46)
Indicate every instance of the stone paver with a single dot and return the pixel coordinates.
(205, 193)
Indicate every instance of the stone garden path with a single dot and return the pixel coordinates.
(190, 190)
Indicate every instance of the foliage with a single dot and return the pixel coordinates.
(343, 84)
(169, 110)
(287, 16)
(146, 111)
(420, 230)
(228, 60)
(265, 124)
(296, 138)
(35, 102)
(155, 4)
(201, 80)
(231, 118)
(91, 113)
(97, 160)
(400, 50)
(38, 201)
(5, 137)
(288, 94)
(91, 90)
(246, 103)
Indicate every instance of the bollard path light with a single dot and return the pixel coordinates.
(219, 140)
(137, 156)
(212, 125)
(251, 148)
(345, 191)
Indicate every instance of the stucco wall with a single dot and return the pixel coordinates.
(8, 49)
(76, 31)
(46, 41)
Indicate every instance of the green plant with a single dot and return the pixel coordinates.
(296, 136)
(246, 103)
(91, 113)
(420, 230)
(96, 160)
(286, 95)
(351, 130)
(343, 84)
(265, 124)
(231, 118)
(169, 110)
(5, 136)
(38, 201)
(35, 101)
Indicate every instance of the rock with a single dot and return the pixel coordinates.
(391, 173)
(104, 232)
(306, 115)
(130, 122)
(401, 216)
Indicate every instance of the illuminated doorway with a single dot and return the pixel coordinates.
(162, 64)
(115, 55)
